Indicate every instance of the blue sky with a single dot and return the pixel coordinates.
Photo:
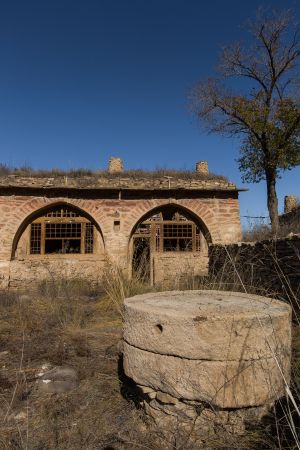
(83, 80)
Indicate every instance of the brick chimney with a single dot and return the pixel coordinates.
(290, 203)
(202, 167)
(115, 165)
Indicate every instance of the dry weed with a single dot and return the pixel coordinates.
(70, 324)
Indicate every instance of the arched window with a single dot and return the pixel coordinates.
(171, 230)
(61, 230)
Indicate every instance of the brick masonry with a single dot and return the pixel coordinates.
(217, 212)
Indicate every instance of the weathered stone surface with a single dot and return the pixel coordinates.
(208, 325)
(202, 421)
(226, 384)
(58, 380)
(115, 165)
(98, 181)
(146, 389)
(202, 167)
(166, 398)
(290, 203)
(22, 415)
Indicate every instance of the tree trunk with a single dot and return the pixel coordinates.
(272, 200)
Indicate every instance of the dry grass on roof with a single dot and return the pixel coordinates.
(27, 171)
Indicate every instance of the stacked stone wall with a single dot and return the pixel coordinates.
(290, 220)
(119, 180)
(270, 267)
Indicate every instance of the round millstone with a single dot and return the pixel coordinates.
(208, 325)
(230, 350)
(225, 384)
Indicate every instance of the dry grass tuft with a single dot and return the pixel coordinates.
(260, 232)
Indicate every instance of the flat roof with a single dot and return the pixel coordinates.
(121, 182)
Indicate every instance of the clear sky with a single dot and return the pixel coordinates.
(81, 81)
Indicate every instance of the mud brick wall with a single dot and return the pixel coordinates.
(170, 267)
(272, 267)
(29, 271)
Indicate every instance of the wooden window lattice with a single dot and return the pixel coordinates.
(49, 234)
(178, 230)
(62, 212)
(177, 234)
(89, 238)
(35, 239)
(62, 230)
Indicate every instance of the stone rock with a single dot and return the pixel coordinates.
(58, 380)
(22, 415)
(146, 389)
(149, 392)
(210, 325)
(207, 362)
(120, 347)
(226, 384)
(180, 409)
(202, 420)
(166, 398)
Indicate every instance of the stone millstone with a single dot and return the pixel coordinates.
(230, 350)
(209, 325)
(225, 384)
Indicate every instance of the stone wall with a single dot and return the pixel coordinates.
(271, 267)
(171, 265)
(218, 213)
(30, 271)
(119, 180)
(291, 220)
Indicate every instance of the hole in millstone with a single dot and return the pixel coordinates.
(159, 328)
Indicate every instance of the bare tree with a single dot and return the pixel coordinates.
(265, 113)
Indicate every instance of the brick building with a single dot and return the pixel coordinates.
(156, 225)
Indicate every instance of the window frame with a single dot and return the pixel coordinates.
(155, 230)
(76, 218)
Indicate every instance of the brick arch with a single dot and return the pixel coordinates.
(206, 214)
(203, 214)
(36, 208)
(198, 220)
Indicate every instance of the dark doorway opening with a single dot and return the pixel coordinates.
(141, 258)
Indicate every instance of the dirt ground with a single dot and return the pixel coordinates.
(82, 332)
(78, 327)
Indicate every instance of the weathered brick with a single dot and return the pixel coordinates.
(219, 216)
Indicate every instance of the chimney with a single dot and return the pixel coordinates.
(202, 167)
(115, 165)
(290, 203)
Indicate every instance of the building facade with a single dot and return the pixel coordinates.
(153, 226)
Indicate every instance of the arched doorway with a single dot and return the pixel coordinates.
(166, 240)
